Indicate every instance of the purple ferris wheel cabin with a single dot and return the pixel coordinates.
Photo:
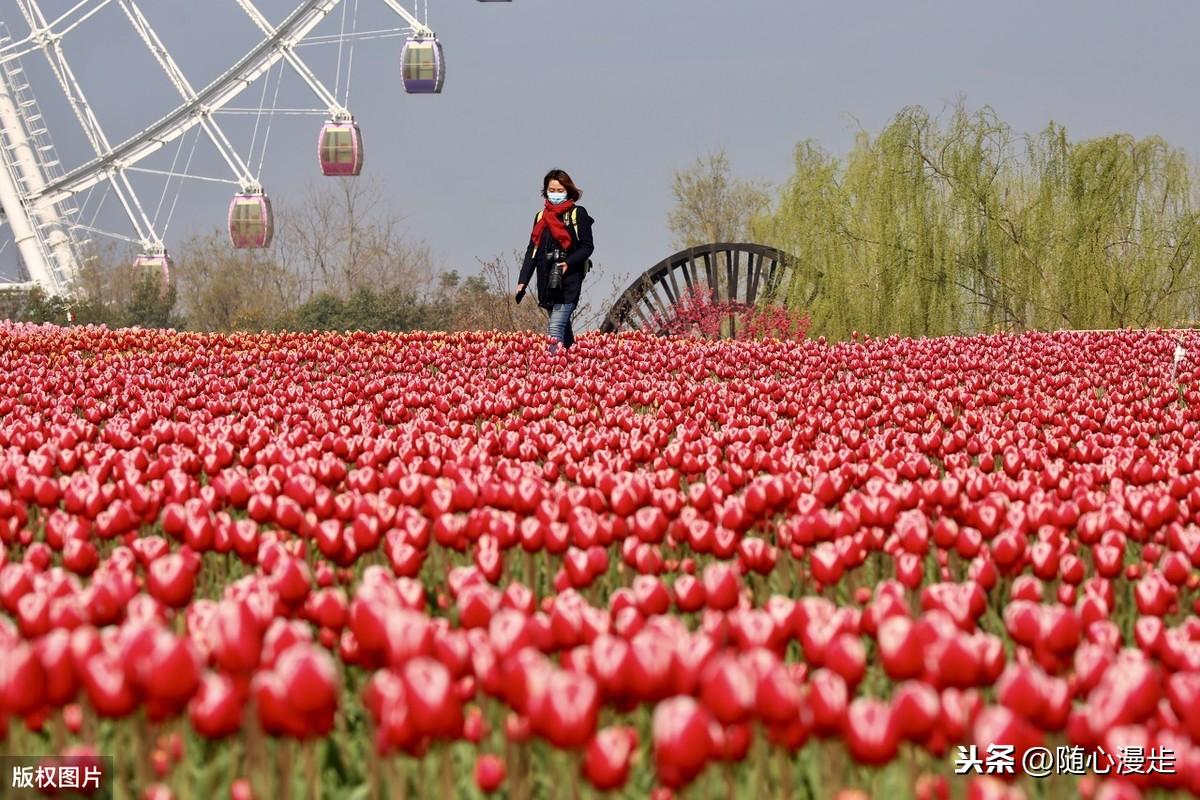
(422, 65)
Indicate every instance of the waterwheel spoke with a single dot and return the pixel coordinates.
(656, 296)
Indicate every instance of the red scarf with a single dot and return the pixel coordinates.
(552, 217)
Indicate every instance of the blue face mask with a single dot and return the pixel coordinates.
(556, 197)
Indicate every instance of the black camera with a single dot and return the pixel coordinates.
(556, 270)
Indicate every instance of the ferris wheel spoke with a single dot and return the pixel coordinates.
(296, 112)
(82, 3)
(350, 61)
(99, 205)
(150, 38)
(167, 183)
(84, 18)
(267, 134)
(49, 217)
(182, 174)
(218, 93)
(184, 87)
(52, 49)
(337, 80)
(225, 148)
(110, 234)
(171, 214)
(360, 36)
(83, 111)
(133, 206)
(38, 35)
(418, 27)
(258, 118)
(319, 89)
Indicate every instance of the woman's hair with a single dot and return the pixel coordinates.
(562, 177)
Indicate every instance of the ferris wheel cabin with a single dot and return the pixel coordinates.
(251, 223)
(340, 148)
(423, 66)
(149, 263)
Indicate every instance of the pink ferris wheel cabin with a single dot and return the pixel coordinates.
(149, 263)
(340, 148)
(251, 223)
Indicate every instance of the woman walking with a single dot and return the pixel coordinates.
(560, 247)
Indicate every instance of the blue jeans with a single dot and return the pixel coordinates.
(560, 326)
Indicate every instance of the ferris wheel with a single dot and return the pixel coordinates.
(46, 203)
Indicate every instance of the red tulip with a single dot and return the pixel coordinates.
(997, 725)
(216, 709)
(778, 697)
(828, 700)
(568, 712)
(234, 637)
(721, 587)
(166, 669)
(682, 740)
(489, 773)
(871, 734)
(275, 712)
(932, 787)
(158, 791)
(651, 662)
(727, 689)
(916, 708)
(109, 692)
(171, 581)
(607, 760)
(22, 680)
(846, 656)
(900, 651)
(309, 675)
(435, 709)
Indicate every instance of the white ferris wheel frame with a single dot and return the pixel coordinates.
(37, 201)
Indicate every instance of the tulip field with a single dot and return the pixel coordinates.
(378, 565)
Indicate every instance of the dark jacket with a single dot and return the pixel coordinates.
(577, 256)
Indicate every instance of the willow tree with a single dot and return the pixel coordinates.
(870, 234)
(1130, 232)
(931, 228)
(808, 212)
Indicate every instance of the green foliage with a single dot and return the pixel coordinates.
(939, 227)
(234, 293)
(152, 304)
(149, 305)
(365, 310)
(33, 305)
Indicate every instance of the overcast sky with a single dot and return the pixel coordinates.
(622, 92)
